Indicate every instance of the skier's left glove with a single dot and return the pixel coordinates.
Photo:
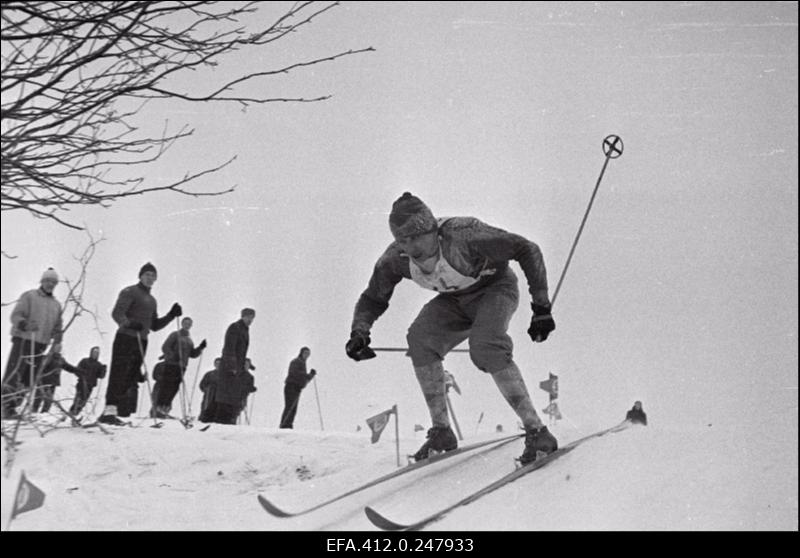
(541, 323)
(176, 311)
(202, 345)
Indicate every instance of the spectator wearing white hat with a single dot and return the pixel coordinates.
(36, 322)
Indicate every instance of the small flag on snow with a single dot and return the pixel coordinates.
(28, 498)
(418, 428)
(379, 422)
(550, 386)
(552, 410)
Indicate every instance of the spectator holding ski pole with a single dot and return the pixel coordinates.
(135, 312)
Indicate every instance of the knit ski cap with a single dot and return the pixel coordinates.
(147, 267)
(410, 216)
(50, 273)
(248, 312)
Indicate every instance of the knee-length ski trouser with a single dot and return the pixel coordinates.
(481, 316)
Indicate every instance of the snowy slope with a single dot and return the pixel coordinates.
(645, 478)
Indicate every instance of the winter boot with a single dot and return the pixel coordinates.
(537, 440)
(440, 439)
(109, 416)
(113, 420)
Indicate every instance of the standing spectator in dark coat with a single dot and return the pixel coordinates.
(36, 321)
(296, 380)
(49, 380)
(90, 369)
(234, 354)
(136, 314)
(208, 385)
(637, 415)
(177, 349)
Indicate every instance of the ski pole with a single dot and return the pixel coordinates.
(319, 409)
(453, 416)
(252, 406)
(403, 350)
(612, 147)
(194, 385)
(156, 424)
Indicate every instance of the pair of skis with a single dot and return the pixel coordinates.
(388, 525)
(486, 445)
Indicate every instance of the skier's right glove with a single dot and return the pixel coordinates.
(134, 325)
(541, 323)
(358, 346)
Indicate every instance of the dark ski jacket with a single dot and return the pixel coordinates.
(472, 248)
(136, 304)
(297, 373)
(90, 370)
(234, 350)
(208, 385)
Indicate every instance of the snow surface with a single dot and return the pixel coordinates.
(644, 478)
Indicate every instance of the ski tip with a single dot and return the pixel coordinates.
(380, 521)
(271, 508)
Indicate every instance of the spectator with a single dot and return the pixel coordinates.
(136, 314)
(228, 398)
(637, 415)
(296, 381)
(90, 369)
(177, 349)
(36, 322)
(208, 385)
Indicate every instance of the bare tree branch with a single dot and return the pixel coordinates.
(75, 75)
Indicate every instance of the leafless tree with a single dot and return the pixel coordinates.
(75, 74)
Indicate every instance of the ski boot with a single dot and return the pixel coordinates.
(113, 420)
(440, 439)
(537, 440)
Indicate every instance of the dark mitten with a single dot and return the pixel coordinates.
(357, 347)
(541, 323)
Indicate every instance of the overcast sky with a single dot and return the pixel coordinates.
(683, 289)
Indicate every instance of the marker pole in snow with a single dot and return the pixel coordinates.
(612, 147)
(319, 408)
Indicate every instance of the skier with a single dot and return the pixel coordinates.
(36, 322)
(228, 398)
(466, 262)
(136, 314)
(90, 369)
(178, 349)
(637, 415)
(296, 381)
